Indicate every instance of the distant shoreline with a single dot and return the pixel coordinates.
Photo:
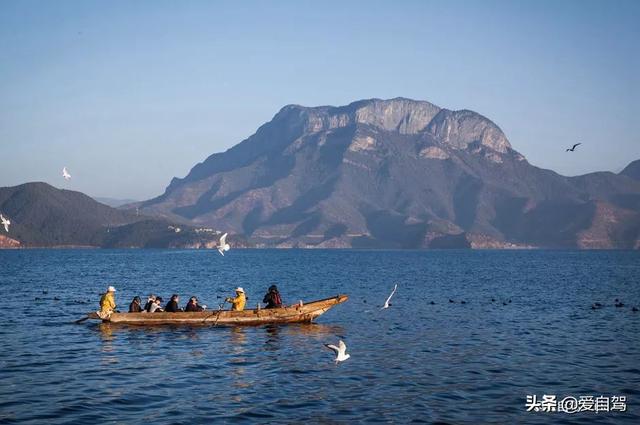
(88, 247)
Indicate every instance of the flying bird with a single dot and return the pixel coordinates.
(65, 173)
(223, 245)
(340, 350)
(386, 303)
(5, 223)
(572, 148)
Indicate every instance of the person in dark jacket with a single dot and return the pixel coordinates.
(273, 298)
(172, 305)
(135, 306)
(193, 305)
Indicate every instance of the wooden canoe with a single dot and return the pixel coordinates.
(297, 313)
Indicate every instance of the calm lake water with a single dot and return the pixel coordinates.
(449, 362)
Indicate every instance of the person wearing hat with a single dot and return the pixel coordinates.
(237, 303)
(108, 301)
(273, 298)
(136, 305)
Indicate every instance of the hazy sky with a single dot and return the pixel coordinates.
(129, 94)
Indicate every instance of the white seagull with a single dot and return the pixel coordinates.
(5, 223)
(386, 303)
(65, 173)
(223, 245)
(340, 350)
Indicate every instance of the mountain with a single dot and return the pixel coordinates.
(113, 202)
(398, 173)
(43, 216)
(632, 170)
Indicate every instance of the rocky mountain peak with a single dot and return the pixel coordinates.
(456, 129)
(295, 125)
(398, 170)
(405, 116)
(459, 129)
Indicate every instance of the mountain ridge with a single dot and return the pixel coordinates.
(44, 216)
(632, 170)
(375, 173)
(394, 173)
(389, 114)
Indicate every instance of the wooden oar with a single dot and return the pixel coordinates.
(82, 320)
(215, 312)
(219, 311)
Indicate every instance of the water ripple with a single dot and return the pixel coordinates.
(416, 362)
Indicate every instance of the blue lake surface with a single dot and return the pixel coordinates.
(415, 362)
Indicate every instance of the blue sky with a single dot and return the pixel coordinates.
(129, 94)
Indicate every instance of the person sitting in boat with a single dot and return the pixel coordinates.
(108, 302)
(193, 305)
(237, 303)
(172, 305)
(156, 306)
(273, 298)
(150, 300)
(136, 305)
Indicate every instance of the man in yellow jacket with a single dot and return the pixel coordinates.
(237, 303)
(108, 301)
